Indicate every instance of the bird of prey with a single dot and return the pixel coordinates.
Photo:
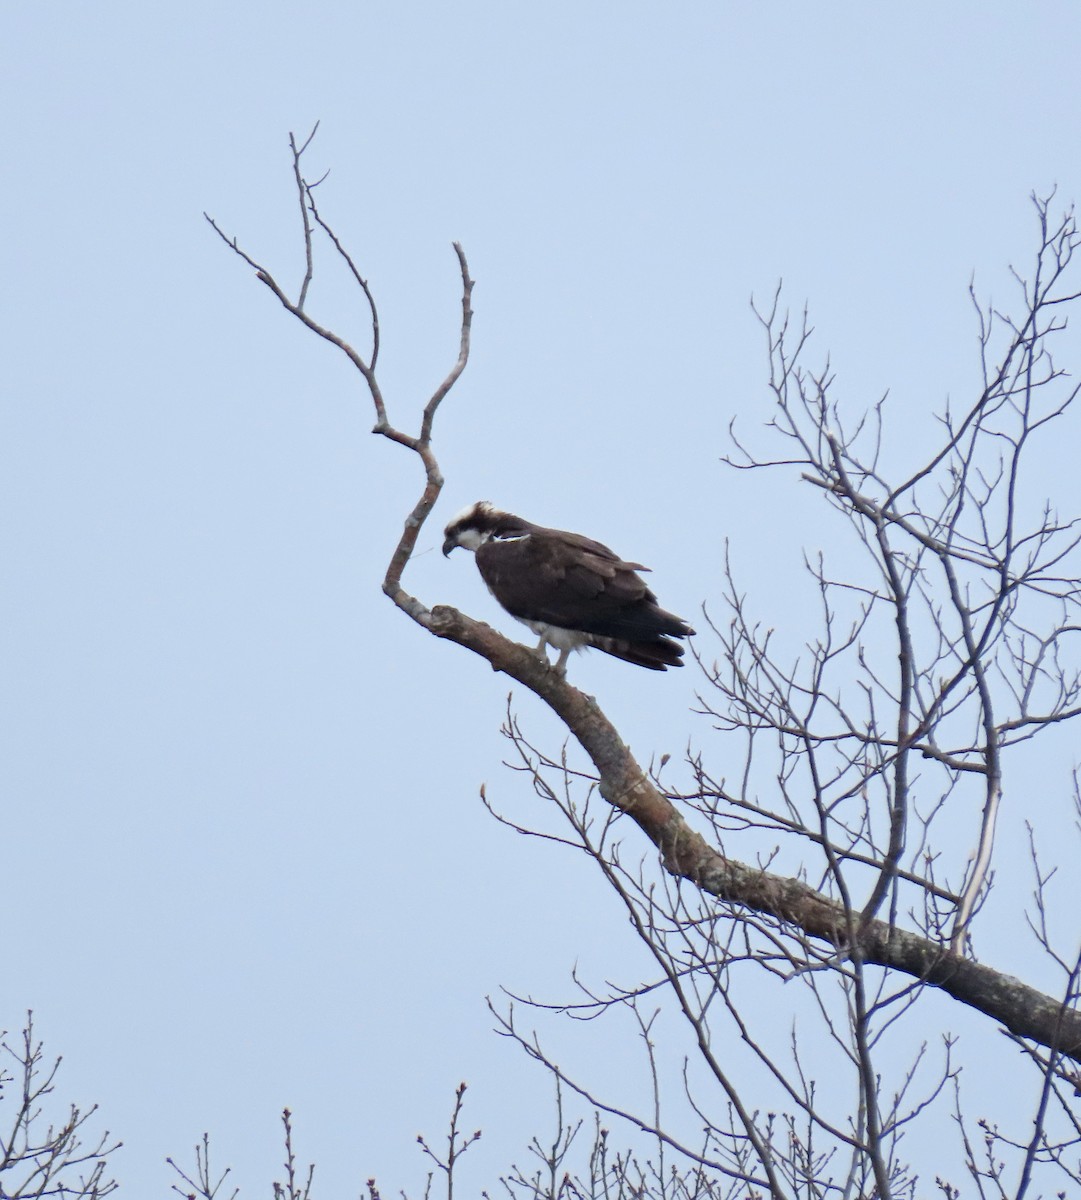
(570, 590)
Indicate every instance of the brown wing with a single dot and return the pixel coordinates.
(572, 582)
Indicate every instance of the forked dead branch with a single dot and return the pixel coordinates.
(946, 652)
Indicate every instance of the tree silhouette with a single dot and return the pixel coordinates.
(873, 762)
(42, 1150)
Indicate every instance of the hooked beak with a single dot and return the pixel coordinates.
(448, 546)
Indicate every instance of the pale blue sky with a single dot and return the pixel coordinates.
(245, 864)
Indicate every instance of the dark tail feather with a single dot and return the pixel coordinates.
(638, 623)
(658, 654)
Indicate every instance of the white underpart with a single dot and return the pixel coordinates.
(564, 640)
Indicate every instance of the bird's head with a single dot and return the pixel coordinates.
(472, 527)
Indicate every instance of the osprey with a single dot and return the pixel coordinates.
(571, 591)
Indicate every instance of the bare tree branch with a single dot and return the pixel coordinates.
(947, 651)
(40, 1155)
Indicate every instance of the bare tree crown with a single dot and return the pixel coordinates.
(950, 648)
